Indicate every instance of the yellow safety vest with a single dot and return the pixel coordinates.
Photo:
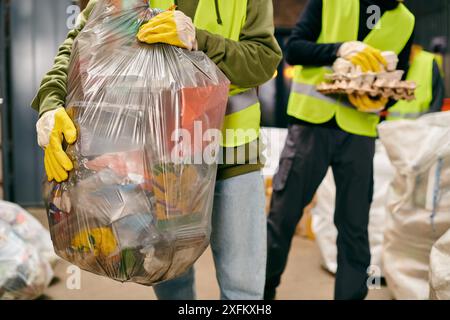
(420, 71)
(243, 115)
(340, 20)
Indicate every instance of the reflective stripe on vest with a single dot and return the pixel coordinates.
(310, 90)
(393, 115)
(420, 71)
(340, 22)
(241, 101)
(243, 112)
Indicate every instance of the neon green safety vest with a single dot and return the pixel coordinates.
(340, 21)
(420, 71)
(243, 115)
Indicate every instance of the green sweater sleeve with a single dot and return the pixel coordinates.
(253, 60)
(53, 89)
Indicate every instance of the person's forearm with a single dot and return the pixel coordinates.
(302, 47)
(307, 53)
(253, 59)
(247, 64)
(53, 89)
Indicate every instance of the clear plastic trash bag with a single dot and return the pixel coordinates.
(24, 272)
(28, 228)
(137, 207)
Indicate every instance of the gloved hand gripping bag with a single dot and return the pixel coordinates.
(137, 207)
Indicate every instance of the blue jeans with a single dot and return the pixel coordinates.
(238, 243)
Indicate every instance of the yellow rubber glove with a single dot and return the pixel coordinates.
(364, 103)
(99, 240)
(171, 27)
(52, 128)
(360, 54)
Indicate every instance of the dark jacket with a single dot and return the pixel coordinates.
(438, 89)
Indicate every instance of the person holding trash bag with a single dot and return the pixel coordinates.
(325, 131)
(238, 35)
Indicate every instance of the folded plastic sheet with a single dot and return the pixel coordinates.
(137, 207)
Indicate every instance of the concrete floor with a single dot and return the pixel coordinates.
(304, 279)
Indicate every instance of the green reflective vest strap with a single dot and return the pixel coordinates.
(304, 97)
(338, 25)
(242, 119)
(243, 110)
(243, 116)
(339, 21)
(420, 71)
(395, 29)
(233, 14)
(161, 4)
(317, 109)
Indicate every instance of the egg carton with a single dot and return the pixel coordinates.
(349, 79)
(380, 85)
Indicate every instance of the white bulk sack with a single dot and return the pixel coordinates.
(420, 152)
(440, 269)
(323, 213)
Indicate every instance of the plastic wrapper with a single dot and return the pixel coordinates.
(418, 206)
(137, 206)
(24, 272)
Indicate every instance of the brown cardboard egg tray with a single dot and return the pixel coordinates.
(384, 84)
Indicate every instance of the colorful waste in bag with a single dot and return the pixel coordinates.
(137, 207)
(26, 254)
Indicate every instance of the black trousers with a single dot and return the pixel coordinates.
(307, 155)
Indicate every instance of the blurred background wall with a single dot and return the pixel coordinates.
(31, 30)
(3, 98)
(287, 11)
(83, 3)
